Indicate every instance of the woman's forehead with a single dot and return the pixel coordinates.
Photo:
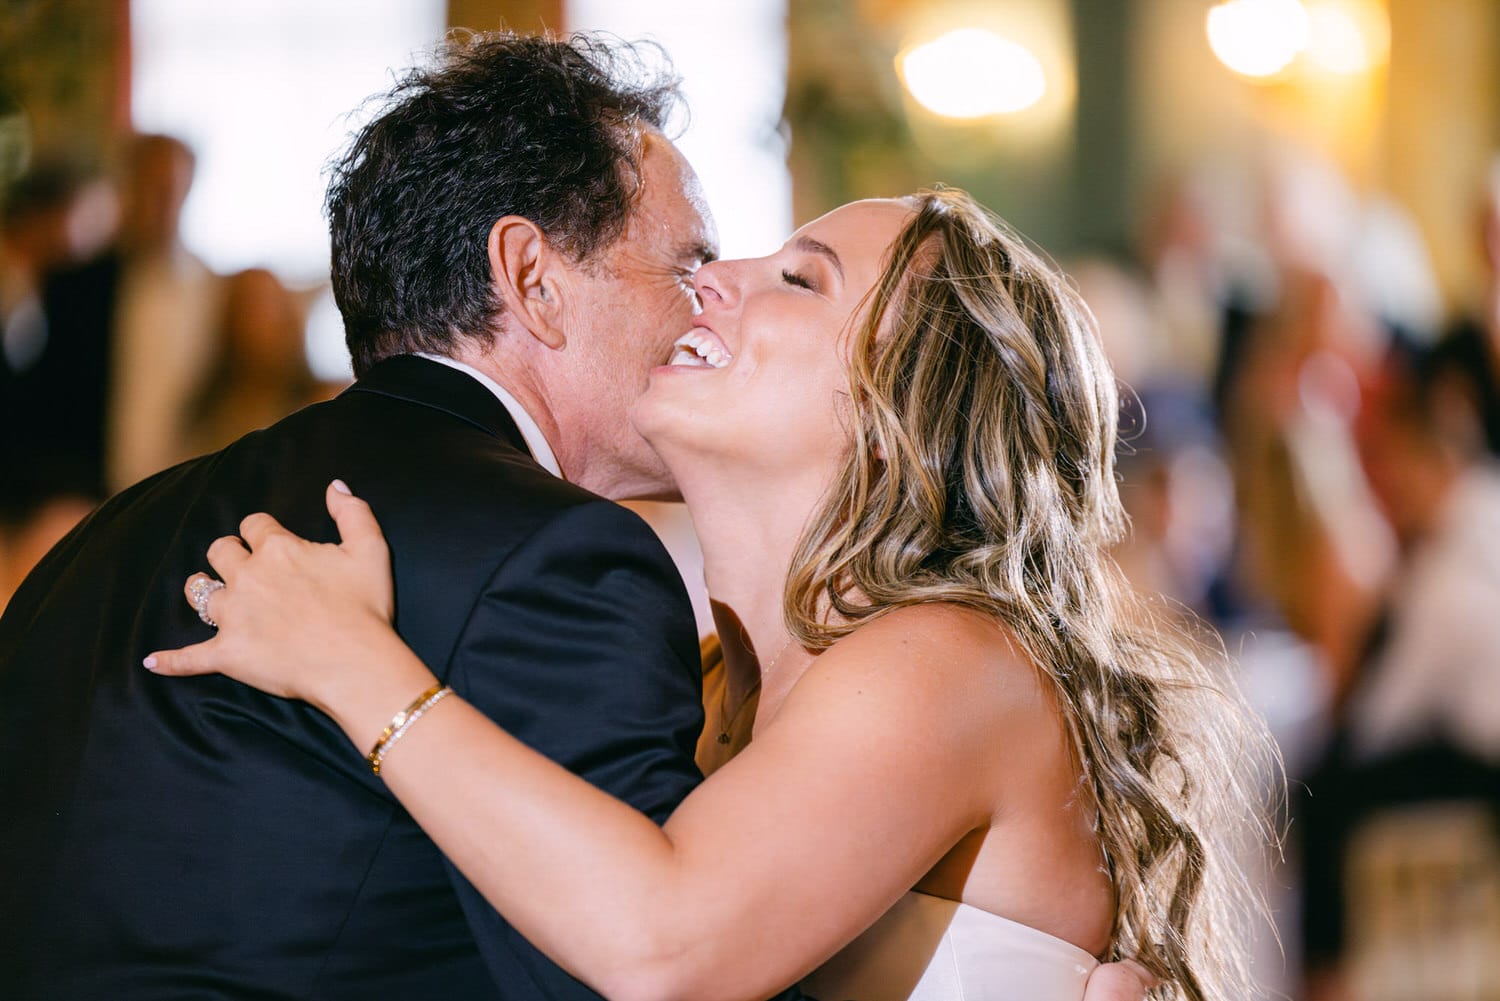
(860, 231)
(866, 215)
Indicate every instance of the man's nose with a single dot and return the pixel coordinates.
(712, 284)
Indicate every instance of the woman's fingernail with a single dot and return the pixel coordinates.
(342, 487)
(149, 663)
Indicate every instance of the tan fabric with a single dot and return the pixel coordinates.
(711, 754)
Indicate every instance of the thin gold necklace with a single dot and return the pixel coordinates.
(726, 721)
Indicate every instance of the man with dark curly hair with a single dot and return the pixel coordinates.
(511, 240)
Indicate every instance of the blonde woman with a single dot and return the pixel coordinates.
(978, 763)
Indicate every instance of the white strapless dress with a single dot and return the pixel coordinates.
(929, 949)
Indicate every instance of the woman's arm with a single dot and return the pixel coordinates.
(877, 764)
(835, 810)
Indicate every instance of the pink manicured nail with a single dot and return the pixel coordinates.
(149, 663)
(342, 487)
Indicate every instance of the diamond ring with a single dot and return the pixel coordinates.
(199, 591)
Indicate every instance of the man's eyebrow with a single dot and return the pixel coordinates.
(808, 245)
(703, 253)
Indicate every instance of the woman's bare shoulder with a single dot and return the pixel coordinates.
(937, 633)
(940, 655)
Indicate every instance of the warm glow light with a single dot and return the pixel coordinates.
(1345, 38)
(971, 73)
(1258, 37)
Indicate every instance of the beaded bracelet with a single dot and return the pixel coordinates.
(402, 721)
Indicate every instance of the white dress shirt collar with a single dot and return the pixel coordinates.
(535, 440)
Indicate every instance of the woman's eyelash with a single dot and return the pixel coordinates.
(792, 278)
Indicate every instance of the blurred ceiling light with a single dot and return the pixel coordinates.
(972, 73)
(1347, 38)
(1258, 38)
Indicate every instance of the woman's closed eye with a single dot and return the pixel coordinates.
(792, 278)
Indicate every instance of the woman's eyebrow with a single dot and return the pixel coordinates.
(808, 245)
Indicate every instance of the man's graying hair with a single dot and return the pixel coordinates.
(502, 124)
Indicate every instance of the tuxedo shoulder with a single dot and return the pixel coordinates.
(594, 520)
(484, 510)
(412, 461)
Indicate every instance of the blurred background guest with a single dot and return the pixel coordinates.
(260, 372)
(42, 493)
(1401, 852)
(35, 239)
(126, 337)
(128, 331)
(1180, 497)
(1475, 336)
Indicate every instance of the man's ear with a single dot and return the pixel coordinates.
(525, 269)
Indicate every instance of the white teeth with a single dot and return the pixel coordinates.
(697, 349)
(682, 356)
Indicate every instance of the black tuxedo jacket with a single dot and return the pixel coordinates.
(192, 838)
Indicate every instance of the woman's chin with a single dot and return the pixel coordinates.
(685, 446)
(677, 451)
(657, 423)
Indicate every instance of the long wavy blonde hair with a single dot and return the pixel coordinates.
(981, 473)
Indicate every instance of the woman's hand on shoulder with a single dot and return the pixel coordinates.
(295, 618)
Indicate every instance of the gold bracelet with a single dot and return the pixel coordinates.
(402, 721)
